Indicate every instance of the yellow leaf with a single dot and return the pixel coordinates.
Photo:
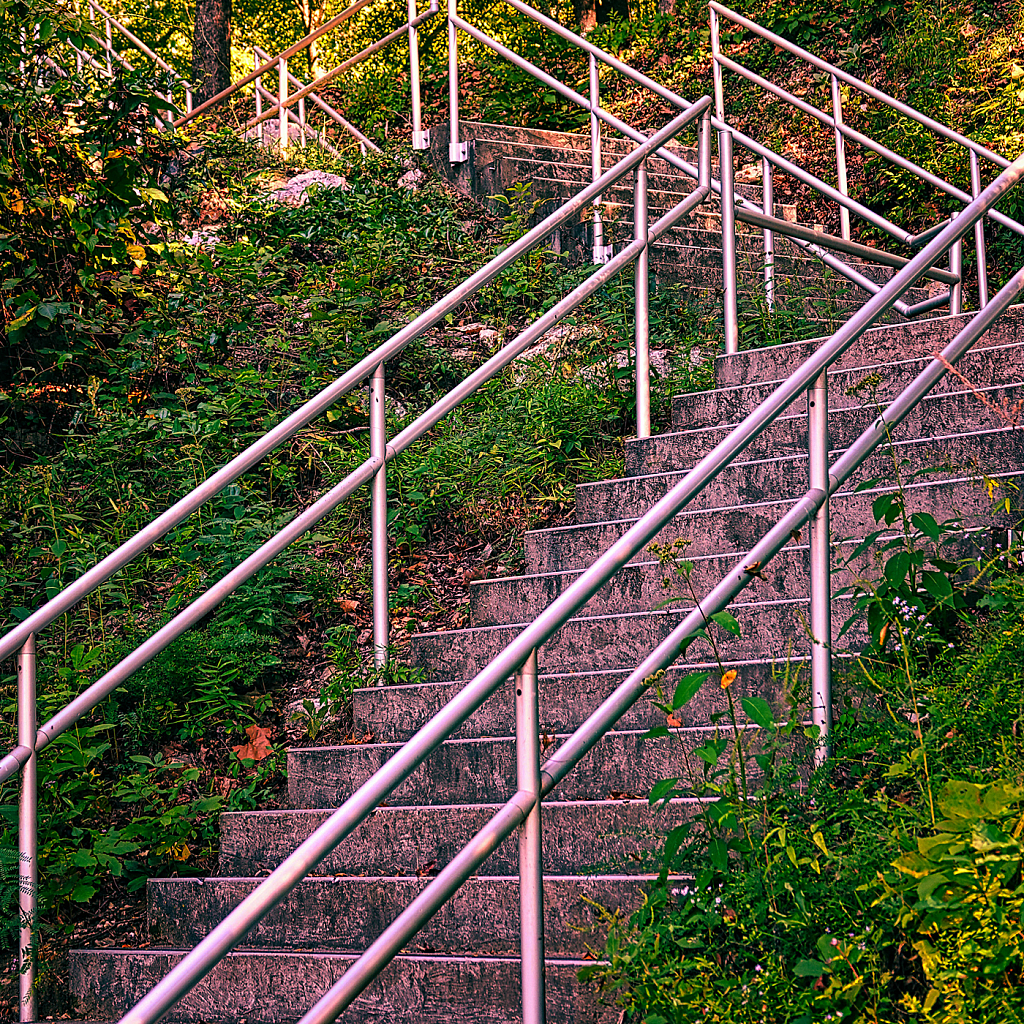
(137, 253)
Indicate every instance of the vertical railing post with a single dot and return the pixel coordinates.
(458, 152)
(28, 858)
(768, 205)
(531, 867)
(302, 123)
(282, 110)
(110, 47)
(600, 252)
(979, 235)
(956, 266)
(420, 138)
(837, 115)
(716, 67)
(821, 566)
(379, 517)
(259, 95)
(727, 173)
(188, 99)
(641, 281)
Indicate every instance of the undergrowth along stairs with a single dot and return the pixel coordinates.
(598, 829)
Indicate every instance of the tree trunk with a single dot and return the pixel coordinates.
(584, 13)
(211, 48)
(589, 13)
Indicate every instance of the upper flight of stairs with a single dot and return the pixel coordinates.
(598, 831)
(557, 165)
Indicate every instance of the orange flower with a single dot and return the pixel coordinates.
(728, 679)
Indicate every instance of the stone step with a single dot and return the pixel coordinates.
(853, 386)
(395, 713)
(274, 987)
(738, 527)
(940, 412)
(758, 480)
(483, 769)
(876, 347)
(580, 837)
(346, 914)
(603, 642)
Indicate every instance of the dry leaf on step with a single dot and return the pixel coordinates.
(259, 745)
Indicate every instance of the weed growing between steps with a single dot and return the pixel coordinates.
(889, 887)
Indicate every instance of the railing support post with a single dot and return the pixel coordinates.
(420, 138)
(302, 123)
(28, 862)
(259, 95)
(821, 566)
(379, 518)
(531, 872)
(956, 266)
(979, 235)
(837, 116)
(458, 152)
(716, 67)
(641, 281)
(282, 96)
(727, 173)
(768, 205)
(600, 251)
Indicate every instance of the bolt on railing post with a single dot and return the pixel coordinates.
(259, 97)
(282, 97)
(379, 517)
(956, 266)
(531, 869)
(458, 152)
(768, 205)
(420, 138)
(979, 235)
(821, 566)
(727, 172)
(641, 281)
(837, 115)
(28, 862)
(600, 253)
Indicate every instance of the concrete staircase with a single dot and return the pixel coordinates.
(599, 832)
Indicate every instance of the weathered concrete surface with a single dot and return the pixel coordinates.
(735, 527)
(347, 914)
(484, 768)
(580, 837)
(278, 987)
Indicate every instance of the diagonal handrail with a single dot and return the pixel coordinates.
(173, 516)
(195, 965)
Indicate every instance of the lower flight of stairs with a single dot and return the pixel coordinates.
(600, 838)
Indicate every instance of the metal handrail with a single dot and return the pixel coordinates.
(519, 658)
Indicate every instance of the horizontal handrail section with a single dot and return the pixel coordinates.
(195, 965)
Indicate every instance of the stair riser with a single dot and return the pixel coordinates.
(876, 347)
(987, 368)
(578, 838)
(485, 769)
(781, 478)
(279, 987)
(616, 642)
(938, 415)
(347, 914)
(738, 529)
(392, 714)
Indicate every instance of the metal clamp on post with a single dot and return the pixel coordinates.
(531, 870)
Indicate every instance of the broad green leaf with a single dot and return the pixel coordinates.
(727, 622)
(926, 524)
(660, 790)
(759, 711)
(809, 969)
(656, 733)
(937, 584)
(687, 688)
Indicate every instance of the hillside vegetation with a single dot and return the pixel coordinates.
(161, 313)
